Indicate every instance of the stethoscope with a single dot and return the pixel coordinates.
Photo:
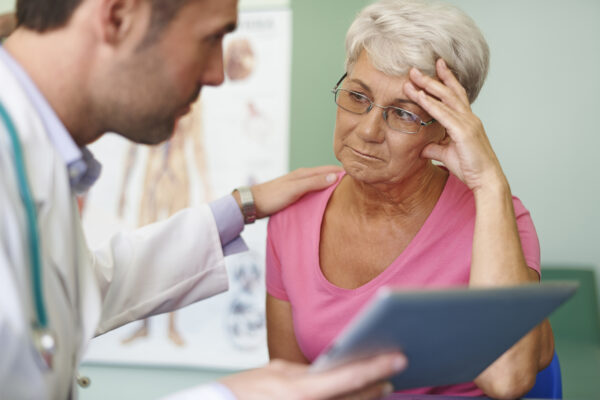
(43, 338)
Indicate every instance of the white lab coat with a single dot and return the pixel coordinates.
(152, 270)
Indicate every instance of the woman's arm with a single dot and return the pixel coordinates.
(497, 257)
(280, 332)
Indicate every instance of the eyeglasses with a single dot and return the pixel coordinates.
(397, 118)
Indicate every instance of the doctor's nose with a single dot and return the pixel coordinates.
(214, 73)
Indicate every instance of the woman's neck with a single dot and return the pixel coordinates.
(408, 198)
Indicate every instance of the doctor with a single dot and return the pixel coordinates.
(71, 71)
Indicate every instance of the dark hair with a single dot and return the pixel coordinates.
(45, 15)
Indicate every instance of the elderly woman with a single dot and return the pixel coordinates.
(395, 217)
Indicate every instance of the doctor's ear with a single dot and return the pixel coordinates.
(118, 19)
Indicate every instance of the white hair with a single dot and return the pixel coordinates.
(400, 34)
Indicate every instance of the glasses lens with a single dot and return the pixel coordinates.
(352, 101)
(397, 118)
(402, 120)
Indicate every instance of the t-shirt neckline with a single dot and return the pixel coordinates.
(380, 279)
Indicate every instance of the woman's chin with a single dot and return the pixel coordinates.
(363, 173)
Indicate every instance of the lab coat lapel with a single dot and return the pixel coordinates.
(38, 152)
(46, 175)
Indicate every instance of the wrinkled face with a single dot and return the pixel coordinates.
(369, 150)
(153, 85)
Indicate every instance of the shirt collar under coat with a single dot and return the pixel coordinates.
(82, 168)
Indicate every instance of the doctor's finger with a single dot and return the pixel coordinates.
(273, 196)
(354, 377)
(302, 173)
(373, 392)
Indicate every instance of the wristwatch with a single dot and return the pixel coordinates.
(248, 207)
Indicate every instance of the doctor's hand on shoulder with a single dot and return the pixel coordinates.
(285, 380)
(275, 195)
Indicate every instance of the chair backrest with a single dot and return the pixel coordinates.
(578, 319)
(548, 383)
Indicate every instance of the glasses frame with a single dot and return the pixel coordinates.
(385, 109)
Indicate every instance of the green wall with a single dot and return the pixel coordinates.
(317, 64)
(6, 5)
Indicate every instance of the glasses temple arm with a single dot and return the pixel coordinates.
(340, 81)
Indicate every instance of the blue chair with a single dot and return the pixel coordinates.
(548, 383)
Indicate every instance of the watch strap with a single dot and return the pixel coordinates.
(248, 207)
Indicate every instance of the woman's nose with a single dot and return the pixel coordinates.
(371, 127)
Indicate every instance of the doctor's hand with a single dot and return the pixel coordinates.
(285, 380)
(277, 194)
(466, 150)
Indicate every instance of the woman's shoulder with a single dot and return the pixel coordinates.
(309, 207)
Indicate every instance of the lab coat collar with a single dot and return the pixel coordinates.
(40, 152)
(83, 168)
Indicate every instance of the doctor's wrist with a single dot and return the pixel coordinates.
(245, 200)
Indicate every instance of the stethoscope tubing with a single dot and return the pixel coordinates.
(41, 321)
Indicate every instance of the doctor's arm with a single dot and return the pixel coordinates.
(173, 263)
(275, 195)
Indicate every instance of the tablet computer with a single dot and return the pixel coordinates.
(449, 336)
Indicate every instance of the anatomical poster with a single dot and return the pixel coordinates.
(236, 134)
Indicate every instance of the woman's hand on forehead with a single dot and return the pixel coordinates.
(466, 150)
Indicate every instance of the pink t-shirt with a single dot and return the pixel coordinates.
(438, 256)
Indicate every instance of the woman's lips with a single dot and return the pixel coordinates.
(364, 155)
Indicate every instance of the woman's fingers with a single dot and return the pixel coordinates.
(434, 107)
(452, 96)
(434, 151)
(448, 78)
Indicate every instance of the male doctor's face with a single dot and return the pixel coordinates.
(157, 83)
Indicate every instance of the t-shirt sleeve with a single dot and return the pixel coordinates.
(275, 286)
(529, 239)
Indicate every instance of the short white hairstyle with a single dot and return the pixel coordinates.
(400, 34)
